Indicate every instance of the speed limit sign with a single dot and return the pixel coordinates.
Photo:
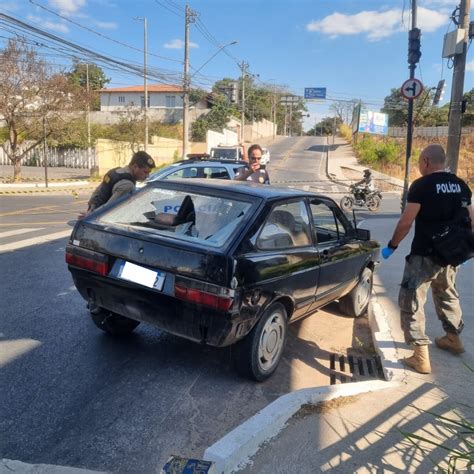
(411, 89)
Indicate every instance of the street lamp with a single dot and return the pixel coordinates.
(145, 88)
(213, 56)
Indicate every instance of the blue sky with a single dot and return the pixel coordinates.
(354, 48)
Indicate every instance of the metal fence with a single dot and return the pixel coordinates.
(425, 131)
(64, 157)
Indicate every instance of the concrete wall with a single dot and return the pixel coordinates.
(111, 154)
(162, 115)
(227, 137)
(256, 130)
(425, 131)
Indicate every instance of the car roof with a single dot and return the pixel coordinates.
(241, 187)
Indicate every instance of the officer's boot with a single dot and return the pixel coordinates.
(451, 342)
(420, 360)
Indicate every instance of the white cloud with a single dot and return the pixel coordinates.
(67, 6)
(375, 24)
(470, 66)
(178, 44)
(49, 25)
(107, 25)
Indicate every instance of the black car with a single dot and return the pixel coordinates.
(220, 263)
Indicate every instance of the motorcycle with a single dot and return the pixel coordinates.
(361, 197)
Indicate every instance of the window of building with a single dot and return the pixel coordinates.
(170, 101)
(142, 100)
(121, 99)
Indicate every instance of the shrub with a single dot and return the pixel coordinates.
(345, 132)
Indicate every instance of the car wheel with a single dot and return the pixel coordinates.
(373, 203)
(257, 356)
(356, 302)
(346, 203)
(113, 323)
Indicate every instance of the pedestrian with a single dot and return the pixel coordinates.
(432, 201)
(121, 181)
(256, 172)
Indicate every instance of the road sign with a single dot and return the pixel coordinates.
(411, 89)
(315, 93)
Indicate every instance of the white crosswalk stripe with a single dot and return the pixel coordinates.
(11, 233)
(19, 244)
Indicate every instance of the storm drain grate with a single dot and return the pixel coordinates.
(354, 368)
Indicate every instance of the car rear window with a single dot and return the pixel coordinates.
(209, 220)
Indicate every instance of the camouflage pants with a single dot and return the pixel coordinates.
(420, 274)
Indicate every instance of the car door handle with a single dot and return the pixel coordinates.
(325, 255)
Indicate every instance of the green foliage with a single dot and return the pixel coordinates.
(372, 151)
(325, 126)
(468, 117)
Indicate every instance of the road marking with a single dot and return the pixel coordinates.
(10, 233)
(34, 241)
(44, 209)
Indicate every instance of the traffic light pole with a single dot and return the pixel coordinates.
(412, 61)
(455, 111)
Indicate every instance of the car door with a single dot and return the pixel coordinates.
(283, 260)
(339, 255)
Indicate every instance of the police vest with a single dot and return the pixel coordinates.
(104, 192)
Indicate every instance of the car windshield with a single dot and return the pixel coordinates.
(209, 220)
(224, 154)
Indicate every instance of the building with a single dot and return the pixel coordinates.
(165, 103)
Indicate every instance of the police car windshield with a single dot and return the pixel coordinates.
(209, 220)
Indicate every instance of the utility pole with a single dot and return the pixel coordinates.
(45, 155)
(190, 17)
(88, 114)
(243, 74)
(413, 58)
(274, 106)
(145, 85)
(455, 112)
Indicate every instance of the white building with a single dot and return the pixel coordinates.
(159, 96)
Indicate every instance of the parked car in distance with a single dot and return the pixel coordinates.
(220, 263)
(197, 168)
(265, 156)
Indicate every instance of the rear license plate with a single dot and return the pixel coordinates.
(143, 276)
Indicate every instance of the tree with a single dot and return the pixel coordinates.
(32, 98)
(344, 109)
(468, 117)
(325, 126)
(97, 80)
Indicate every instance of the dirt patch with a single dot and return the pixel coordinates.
(324, 407)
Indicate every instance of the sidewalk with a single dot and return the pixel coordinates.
(364, 433)
(341, 161)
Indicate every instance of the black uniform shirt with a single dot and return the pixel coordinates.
(440, 195)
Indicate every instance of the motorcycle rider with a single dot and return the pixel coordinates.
(365, 186)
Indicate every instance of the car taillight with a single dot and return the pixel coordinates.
(194, 295)
(87, 259)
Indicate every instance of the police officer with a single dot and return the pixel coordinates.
(432, 200)
(256, 173)
(120, 181)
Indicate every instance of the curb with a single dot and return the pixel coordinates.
(8, 466)
(234, 450)
(41, 190)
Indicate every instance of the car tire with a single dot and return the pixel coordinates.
(356, 302)
(112, 323)
(373, 203)
(257, 355)
(347, 203)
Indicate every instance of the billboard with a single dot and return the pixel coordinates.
(373, 122)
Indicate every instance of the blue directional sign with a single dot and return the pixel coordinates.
(315, 93)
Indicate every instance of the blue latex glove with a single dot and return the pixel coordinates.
(386, 252)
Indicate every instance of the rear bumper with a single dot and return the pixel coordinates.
(197, 323)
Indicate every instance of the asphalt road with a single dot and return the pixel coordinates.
(71, 395)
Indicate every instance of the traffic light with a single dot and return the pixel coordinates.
(414, 44)
(439, 92)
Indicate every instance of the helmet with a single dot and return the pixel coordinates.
(367, 172)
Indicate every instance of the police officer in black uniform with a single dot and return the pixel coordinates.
(257, 172)
(433, 200)
(120, 181)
